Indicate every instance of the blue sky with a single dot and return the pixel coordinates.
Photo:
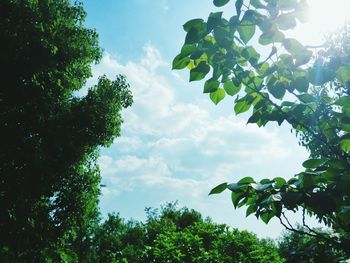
(176, 144)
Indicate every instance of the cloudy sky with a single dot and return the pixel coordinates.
(175, 143)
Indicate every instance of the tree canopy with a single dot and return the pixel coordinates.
(306, 87)
(177, 235)
(50, 136)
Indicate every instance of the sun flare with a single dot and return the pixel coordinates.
(324, 16)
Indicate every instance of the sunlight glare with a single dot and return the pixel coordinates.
(324, 16)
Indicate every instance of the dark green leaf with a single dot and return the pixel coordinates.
(218, 189)
(199, 72)
(266, 216)
(236, 197)
(238, 5)
(211, 85)
(246, 180)
(196, 23)
(250, 210)
(277, 90)
(220, 3)
(313, 163)
(301, 84)
(257, 4)
(180, 62)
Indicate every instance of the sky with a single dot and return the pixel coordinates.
(175, 144)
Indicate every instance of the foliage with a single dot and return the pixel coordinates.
(49, 178)
(307, 87)
(178, 235)
(294, 247)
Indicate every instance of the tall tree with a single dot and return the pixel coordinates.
(50, 136)
(317, 81)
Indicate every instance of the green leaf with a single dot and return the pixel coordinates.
(199, 72)
(266, 216)
(211, 85)
(343, 101)
(313, 163)
(279, 182)
(271, 36)
(246, 180)
(219, 3)
(286, 21)
(196, 23)
(250, 210)
(218, 189)
(345, 145)
(257, 4)
(293, 46)
(241, 106)
(343, 74)
(236, 197)
(230, 88)
(180, 62)
(246, 31)
(238, 6)
(278, 90)
(344, 215)
(301, 84)
(214, 20)
(217, 95)
(291, 199)
(188, 50)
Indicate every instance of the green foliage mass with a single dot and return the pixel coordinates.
(297, 248)
(177, 235)
(49, 178)
(306, 87)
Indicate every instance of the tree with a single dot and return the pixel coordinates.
(298, 248)
(316, 80)
(49, 178)
(178, 235)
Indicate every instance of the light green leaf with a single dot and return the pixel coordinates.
(217, 95)
(230, 88)
(271, 36)
(246, 28)
(343, 74)
(343, 101)
(279, 182)
(241, 106)
(345, 145)
(286, 21)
